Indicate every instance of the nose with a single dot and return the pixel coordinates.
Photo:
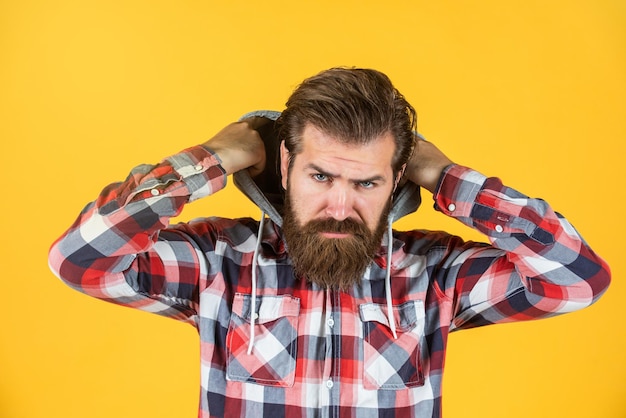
(340, 203)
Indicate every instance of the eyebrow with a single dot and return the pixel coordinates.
(312, 166)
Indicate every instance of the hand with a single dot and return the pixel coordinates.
(426, 164)
(239, 146)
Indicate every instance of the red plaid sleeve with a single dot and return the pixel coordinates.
(119, 249)
(538, 264)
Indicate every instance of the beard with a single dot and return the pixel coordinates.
(335, 263)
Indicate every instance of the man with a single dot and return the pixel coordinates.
(324, 310)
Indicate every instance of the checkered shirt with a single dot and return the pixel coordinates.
(320, 352)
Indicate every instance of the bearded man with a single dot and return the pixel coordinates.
(320, 308)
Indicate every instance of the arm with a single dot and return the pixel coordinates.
(120, 248)
(537, 264)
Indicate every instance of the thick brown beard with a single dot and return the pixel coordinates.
(336, 263)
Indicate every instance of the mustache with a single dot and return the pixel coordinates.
(347, 226)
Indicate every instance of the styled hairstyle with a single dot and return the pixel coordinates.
(355, 106)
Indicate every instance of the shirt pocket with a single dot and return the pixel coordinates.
(390, 363)
(273, 358)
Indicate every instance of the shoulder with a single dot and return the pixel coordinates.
(239, 234)
(433, 244)
(216, 228)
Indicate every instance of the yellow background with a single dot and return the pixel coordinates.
(532, 92)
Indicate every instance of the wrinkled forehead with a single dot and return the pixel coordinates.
(314, 140)
(335, 155)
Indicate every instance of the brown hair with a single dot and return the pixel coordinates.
(354, 105)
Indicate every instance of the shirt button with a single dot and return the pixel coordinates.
(451, 207)
(154, 192)
(499, 228)
(330, 384)
(198, 167)
(330, 322)
(255, 316)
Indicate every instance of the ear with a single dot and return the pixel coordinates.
(398, 178)
(284, 164)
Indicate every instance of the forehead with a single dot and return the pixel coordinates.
(321, 147)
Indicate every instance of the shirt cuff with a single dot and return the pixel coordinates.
(200, 169)
(457, 190)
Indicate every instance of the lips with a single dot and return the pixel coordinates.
(335, 235)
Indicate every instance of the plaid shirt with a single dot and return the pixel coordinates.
(320, 352)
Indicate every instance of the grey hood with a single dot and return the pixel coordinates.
(265, 189)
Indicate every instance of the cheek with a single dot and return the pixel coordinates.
(371, 209)
(306, 204)
(312, 203)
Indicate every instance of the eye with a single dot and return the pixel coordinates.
(367, 184)
(320, 177)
